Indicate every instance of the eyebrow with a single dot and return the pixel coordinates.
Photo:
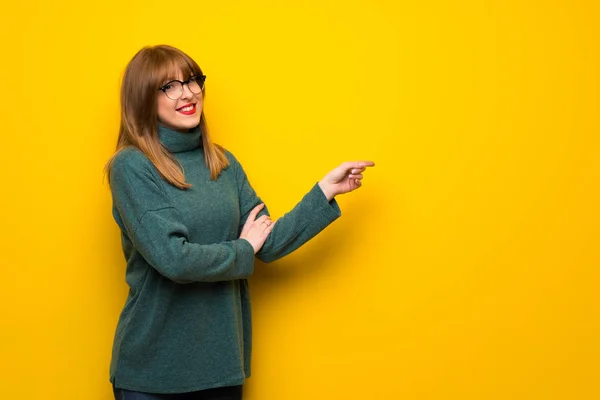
(171, 78)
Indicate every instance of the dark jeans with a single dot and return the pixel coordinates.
(222, 393)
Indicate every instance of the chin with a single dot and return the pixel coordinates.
(189, 125)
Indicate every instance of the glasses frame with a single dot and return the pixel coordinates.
(199, 78)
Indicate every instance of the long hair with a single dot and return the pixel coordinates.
(146, 71)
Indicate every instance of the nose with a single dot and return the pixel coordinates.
(187, 93)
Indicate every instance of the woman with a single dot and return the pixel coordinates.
(191, 226)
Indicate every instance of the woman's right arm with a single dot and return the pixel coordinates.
(159, 234)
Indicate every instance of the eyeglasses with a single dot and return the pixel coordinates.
(174, 88)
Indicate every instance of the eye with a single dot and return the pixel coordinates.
(168, 86)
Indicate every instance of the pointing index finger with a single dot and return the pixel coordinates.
(361, 164)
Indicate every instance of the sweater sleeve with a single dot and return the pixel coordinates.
(308, 217)
(158, 232)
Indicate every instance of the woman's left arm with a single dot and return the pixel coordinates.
(311, 215)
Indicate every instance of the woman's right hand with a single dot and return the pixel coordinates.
(255, 230)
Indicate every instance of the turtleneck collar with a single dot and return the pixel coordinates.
(179, 142)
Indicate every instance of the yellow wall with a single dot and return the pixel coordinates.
(467, 266)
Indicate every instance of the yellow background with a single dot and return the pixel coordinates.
(465, 268)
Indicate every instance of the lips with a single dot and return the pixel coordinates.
(188, 109)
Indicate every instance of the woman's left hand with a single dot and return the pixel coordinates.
(343, 179)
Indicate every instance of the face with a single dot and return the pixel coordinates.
(181, 114)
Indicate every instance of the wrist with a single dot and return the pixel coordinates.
(327, 190)
(254, 249)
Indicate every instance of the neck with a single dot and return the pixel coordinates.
(177, 141)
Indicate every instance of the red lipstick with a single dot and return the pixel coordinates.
(190, 109)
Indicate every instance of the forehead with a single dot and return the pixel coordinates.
(176, 69)
(177, 75)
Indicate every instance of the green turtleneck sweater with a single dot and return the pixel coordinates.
(186, 324)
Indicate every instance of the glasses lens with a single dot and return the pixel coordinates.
(195, 84)
(173, 90)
